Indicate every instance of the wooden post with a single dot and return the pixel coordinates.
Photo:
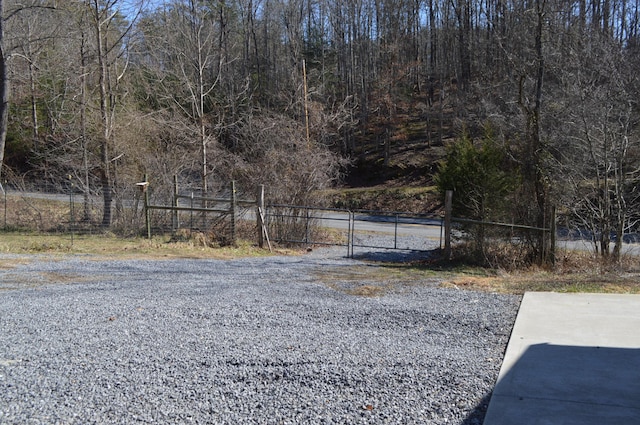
(233, 212)
(447, 223)
(259, 215)
(147, 219)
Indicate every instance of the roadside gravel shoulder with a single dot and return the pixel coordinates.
(255, 341)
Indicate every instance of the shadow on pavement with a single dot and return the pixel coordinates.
(558, 384)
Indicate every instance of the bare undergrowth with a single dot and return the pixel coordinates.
(575, 271)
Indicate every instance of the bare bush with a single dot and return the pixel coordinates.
(273, 150)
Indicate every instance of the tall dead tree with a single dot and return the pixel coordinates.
(4, 87)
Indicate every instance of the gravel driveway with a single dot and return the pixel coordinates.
(250, 341)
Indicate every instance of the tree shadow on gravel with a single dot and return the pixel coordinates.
(396, 256)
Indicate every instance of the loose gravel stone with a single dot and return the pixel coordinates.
(248, 341)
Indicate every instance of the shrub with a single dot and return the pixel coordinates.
(480, 176)
(483, 182)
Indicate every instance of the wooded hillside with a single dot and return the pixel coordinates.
(289, 93)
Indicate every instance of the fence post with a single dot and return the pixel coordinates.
(4, 193)
(175, 224)
(447, 223)
(259, 215)
(395, 234)
(349, 236)
(147, 220)
(233, 212)
(71, 212)
(552, 247)
(352, 230)
(306, 226)
(191, 213)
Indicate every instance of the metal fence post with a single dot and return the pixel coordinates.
(352, 225)
(71, 213)
(447, 223)
(260, 224)
(174, 216)
(552, 247)
(233, 212)
(191, 213)
(395, 234)
(306, 226)
(5, 205)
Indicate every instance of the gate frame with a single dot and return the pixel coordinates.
(351, 220)
(233, 202)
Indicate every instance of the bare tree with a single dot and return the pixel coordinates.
(4, 84)
(9, 10)
(110, 31)
(601, 160)
(189, 65)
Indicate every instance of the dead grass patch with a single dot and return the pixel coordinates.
(109, 246)
(12, 263)
(519, 283)
(574, 272)
(56, 277)
(362, 290)
(373, 280)
(12, 281)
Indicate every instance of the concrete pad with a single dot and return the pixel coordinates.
(571, 359)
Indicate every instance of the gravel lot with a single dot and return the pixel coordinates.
(277, 340)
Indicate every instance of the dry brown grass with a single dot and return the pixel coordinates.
(519, 283)
(13, 281)
(374, 279)
(111, 246)
(574, 272)
(365, 290)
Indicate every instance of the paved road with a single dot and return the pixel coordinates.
(587, 245)
(408, 226)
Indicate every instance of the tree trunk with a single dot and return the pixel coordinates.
(83, 128)
(105, 175)
(4, 89)
(34, 106)
(533, 173)
(536, 145)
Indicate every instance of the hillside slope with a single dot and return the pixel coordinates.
(396, 158)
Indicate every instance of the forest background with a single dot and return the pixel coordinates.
(303, 95)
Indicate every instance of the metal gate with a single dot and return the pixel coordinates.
(359, 229)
